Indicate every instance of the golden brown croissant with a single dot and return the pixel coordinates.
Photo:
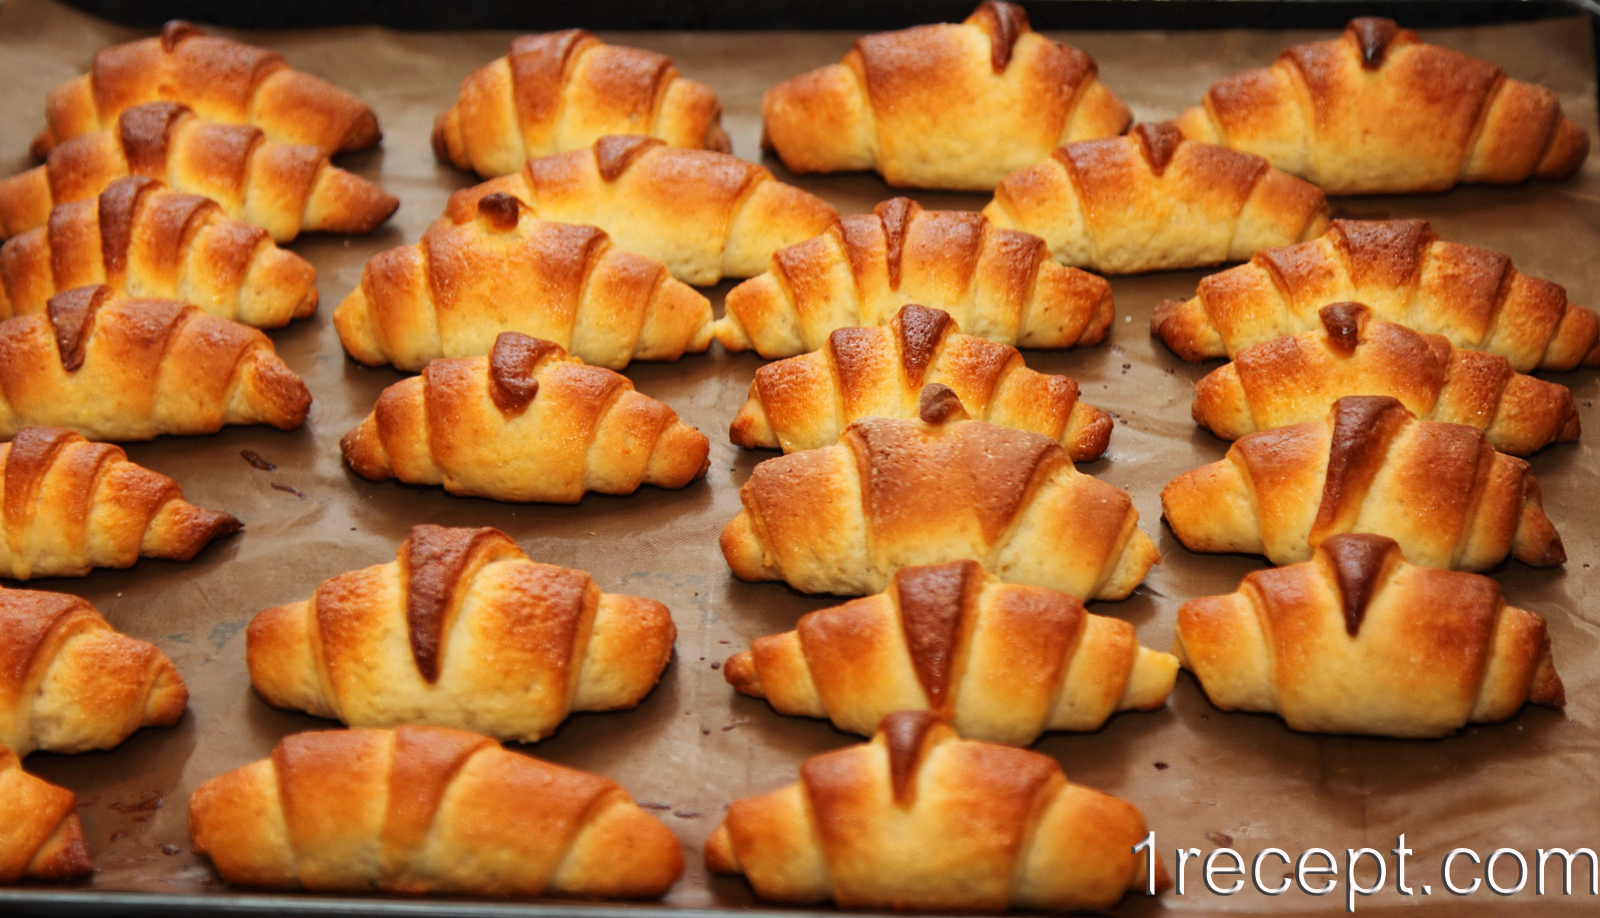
(921, 820)
(43, 839)
(460, 630)
(1000, 662)
(563, 90)
(280, 187)
(1438, 489)
(704, 214)
(1358, 641)
(998, 284)
(422, 810)
(892, 493)
(527, 423)
(805, 402)
(142, 240)
(222, 80)
(503, 270)
(1294, 379)
(68, 683)
(68, 505)
(1152, 201)
(942, 106)
(1405, 274)
(1377, 111)
(115, 368)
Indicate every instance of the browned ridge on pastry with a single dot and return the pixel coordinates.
(807, 401)
(891, 493)
(504, 270)
(222, 80)
(43, 838)
(426, 810)
(942, 106)
(1440, 490)
(119, 368)
(1002, 663)
(1294, 379)
(529, 422)
(561, 91)
(998, 284)
(139, 238)
(704, 214)
(68, 683)
(1404, 273)
(68, 505)
(280, 187)
(921, 820)
(1378, 111)
(1357, 640)
(1153, 201)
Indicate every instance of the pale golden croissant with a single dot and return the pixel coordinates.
(996, 283)
(1377, 111)
(807, 401)
(503, 270)
(921, 820)
(704, 214)
(1294, 379)
(892, 493)
(1153, 201)
(68, 683)
(43, 838)
(68, 505)
(561, 91)
(115, 368)
(280, 187)
(1405, 274)
(1000, 662)
(460, 630)
(422, 810)
(942, 106)
(220, 79)
(142, 240)
(1356, 640)
(1438, 489)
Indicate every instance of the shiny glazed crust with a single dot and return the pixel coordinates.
(43, 839)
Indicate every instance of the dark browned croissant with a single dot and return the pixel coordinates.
(42, 838)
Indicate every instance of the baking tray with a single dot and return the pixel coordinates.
(1204, 778)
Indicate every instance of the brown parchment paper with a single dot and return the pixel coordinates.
(1204, 778)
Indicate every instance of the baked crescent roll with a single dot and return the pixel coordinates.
(805, 402)
(116, 368)
(529, 422)
(1358, 641)
(1405, 274)
(704, 214)
(1153, 201)
(68, 505)
(142, 240)
(42, 838)
(1439, 490)
(504, 270)
(282, 188)
(942, 106)
(1294, 379)
(1377, 111)
(222, 80)
(460, 630)
(891, 493)
(1000, 662)
(997, 283)
(420, 810)
(68, 683)
(563, 90)
(919, 819)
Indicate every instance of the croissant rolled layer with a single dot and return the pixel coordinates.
(43, 838)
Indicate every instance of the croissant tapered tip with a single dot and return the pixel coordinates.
(1547, 688)
(344, 202)
(740, 671)
(65, 855)
(719, 852)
